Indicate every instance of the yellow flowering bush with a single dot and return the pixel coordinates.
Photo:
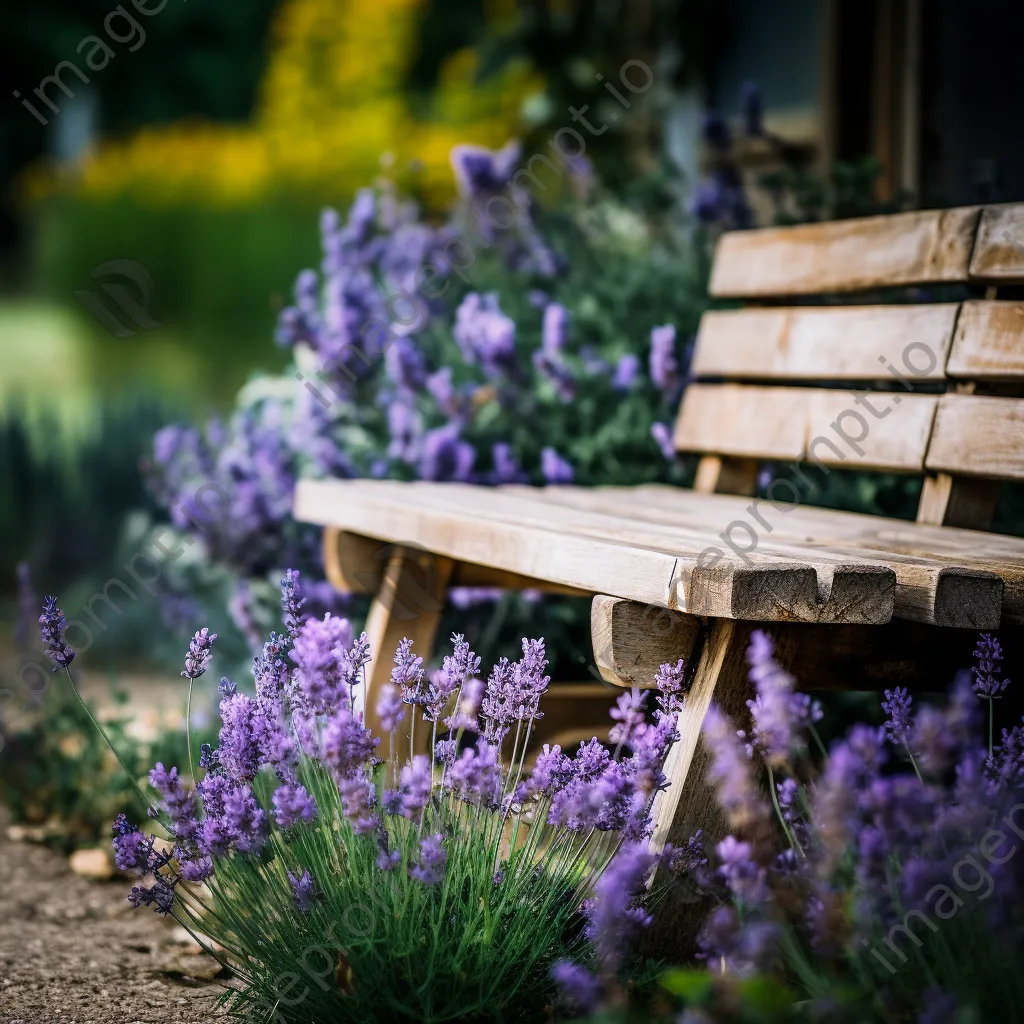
(331, 102)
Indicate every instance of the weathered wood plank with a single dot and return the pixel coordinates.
(826, 342)
(999, 249)
(828, 426)
(926, 247)
(978, 436)
(729, 419)
(489, 526)
(355, 565)
(989, 341)
(632, 641)
(933, 565)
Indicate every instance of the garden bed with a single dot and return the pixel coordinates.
(72, 950)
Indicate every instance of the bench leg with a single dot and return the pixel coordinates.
(408, 604)
(689, 803)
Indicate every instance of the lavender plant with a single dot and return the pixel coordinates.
(865, 890)
(550, 349)
(345, 876)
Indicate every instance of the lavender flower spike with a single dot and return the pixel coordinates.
(52, 628)
(200, 652)
(989, 653)
(897, 706)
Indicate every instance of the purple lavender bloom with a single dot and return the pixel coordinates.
(238, 751)
(245, 820)
(779, 715)
(320, 654)
(293, 804)
(663, 367)
(133, 849)
(662, 434)
(52, 628)
(614, 917)
(389, 707)
(506, 467)
(347, 744)
(689, 859)
(178, 802)
(445, 456)
(445, 752)
(480, 172)
(989, 655)
(529, 681)
(671, 683)
(484, 334)
(304, 891)
(455, 669)
(626, 370)
(415, 785)
(468, 707)
(897, 706)
(200, 653)
(746, 879)
(628, 714)
(430, 869)
(556, 470)
(715, 131)
(556, 319)
(577, 985)
(730, 770)
(388, 861)
(291, 604)
(407, 674)
(475, 777)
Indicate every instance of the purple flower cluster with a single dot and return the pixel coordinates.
(53, 625)
(869, 844)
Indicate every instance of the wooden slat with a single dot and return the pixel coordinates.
(989, 341)
(825, 343)
(720, 474)
(729, 419)
(978, 436)
(489, 526)
(927, 247)
(999, 250)
(355, 565)
(944, 576)
(632, 641)
(824, 425)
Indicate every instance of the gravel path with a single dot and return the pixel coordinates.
(73, 950)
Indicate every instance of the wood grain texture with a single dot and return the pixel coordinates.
(930, 562)
(729, 419)
(978, 436)
(408, 604)
(825, 343)
(930, 246)
(832, 427)
(355, 565)
(999, 249)
(603, 554)
(632, 641)
(989, 341)
(967, 502)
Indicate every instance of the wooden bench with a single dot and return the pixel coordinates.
(853, 601)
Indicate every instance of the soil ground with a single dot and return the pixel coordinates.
(73, 950)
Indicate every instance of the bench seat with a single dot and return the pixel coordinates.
(705, 554)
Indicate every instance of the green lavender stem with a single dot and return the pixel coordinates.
(103, 732)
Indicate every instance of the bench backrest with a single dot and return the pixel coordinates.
(918, 387)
